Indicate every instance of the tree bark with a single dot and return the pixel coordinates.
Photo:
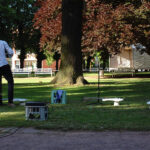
(57, 64)
(88, 63)
(71, 56)
(57, 58)
(39, 63)
(40, 57)
(22, 57)
(21, 44)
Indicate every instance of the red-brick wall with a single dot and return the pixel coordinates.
(53, 65)
(44, 64)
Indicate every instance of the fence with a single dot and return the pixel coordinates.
(34, 71)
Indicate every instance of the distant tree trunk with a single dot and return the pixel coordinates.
(57, 62)
(22, 57)
(104, 57)
(40, 57)
(57, 58)
(83, 64)
(39, 63)
(71, 56)
(21, 45)
(88, 63)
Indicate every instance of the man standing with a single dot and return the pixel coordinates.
(5, 71)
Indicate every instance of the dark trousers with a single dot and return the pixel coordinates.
(6, 72)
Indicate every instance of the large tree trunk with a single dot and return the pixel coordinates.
(71, 55)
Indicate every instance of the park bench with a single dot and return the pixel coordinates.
(44, 71)
(21, 71)
(116, 71)
(95, 69)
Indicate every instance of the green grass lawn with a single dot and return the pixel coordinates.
(132, 114)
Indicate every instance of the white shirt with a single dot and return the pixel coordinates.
(4, 47)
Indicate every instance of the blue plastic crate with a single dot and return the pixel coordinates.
(58, 97)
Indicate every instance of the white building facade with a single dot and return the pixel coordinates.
(30, 61)
(130, 58)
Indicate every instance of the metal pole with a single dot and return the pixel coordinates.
(98, 94)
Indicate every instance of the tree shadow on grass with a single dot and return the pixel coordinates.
(31, 91)
(131, 91)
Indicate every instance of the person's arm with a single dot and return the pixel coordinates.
(8, 50)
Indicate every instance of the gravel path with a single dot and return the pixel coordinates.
(32, 139)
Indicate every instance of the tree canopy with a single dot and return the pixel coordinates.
(103, 24)
(16, 23)
(107, 25)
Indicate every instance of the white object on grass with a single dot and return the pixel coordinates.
(148, 103)
(17, 99)
(115, 100)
